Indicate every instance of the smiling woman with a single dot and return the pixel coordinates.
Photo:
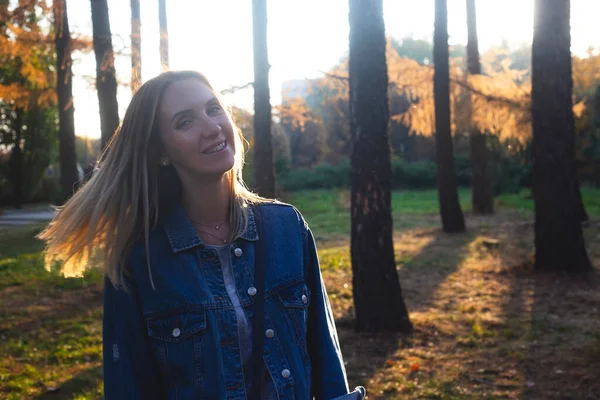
(211, 291)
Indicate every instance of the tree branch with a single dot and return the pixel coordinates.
(233, 89)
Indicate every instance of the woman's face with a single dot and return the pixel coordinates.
(196, 131)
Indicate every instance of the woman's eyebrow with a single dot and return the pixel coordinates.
(190, 110)
(178, 113)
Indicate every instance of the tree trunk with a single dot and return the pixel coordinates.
(164, 35)
(64, 88)
(136, 46)
(378, 297)
(482, 197)
(263, 148)
(16, 159)
(452, 216)
(559, 242)
(106, 80)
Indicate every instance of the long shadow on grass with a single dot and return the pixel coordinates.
(551, 329)
(85, 382)
(421, 274)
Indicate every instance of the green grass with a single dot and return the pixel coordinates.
(523, 201)
(50, 326)
(21, 263)
(327, 211)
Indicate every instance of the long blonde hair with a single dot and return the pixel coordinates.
(129, 193)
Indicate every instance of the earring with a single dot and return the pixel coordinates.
(164, 162)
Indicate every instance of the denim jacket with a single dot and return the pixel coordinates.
(179, 340)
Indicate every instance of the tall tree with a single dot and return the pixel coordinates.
(559, 243)
(106, 79)
(164, 35)
(136, 46)
(64, 88)
(264, 169)
(482, 198)
(16, 160)
(378, 298)
(28, 95)
(452, 216)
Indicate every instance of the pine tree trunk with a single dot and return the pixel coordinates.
(451, 213)
(136, 46)
(106, 80)
(164, 35)
(16, 159)
(378, 297)
(64, 88)
(559, 242)
(482, 197)
(263, 148)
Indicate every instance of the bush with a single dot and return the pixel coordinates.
(324, 176)
(417, 175)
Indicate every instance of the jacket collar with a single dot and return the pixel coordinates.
(183, 236)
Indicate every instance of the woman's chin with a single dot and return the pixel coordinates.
(219, 167)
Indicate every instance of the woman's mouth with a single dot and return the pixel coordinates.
(217, 148)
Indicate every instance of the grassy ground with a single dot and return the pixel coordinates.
(485, 325)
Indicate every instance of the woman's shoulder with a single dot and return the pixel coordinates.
(283, 218)
(281, 212)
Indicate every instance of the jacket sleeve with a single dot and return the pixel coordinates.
(328, 372)
(129, 368)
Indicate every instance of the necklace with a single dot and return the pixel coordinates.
(221, 239)
(216, 226)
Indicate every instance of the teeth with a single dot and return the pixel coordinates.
(216, 148)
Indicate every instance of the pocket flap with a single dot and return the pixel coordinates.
(176, 327)
(297, 296)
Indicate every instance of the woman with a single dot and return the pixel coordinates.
(186, 313)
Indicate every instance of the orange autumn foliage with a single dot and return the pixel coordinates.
(27, 55)
(497, 102)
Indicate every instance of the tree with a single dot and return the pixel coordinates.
(452, 216)
(136, 46)
(482, 197)
(378, 297)
(421, 50)
(559, 243)
(106, 80)
(164, 35)
(64, 88)
(264, 169)
(28, 129)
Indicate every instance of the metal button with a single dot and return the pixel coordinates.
(176, 332)
(286, 373)
(304, 299)
(269, 333)
(238, 252)
(251, 290)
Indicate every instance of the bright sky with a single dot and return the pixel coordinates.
(305, 37)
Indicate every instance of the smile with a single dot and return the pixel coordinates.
(217, 148)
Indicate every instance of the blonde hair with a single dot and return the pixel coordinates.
(129, 193)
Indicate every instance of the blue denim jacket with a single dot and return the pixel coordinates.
(180, 340)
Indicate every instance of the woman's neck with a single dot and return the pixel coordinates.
(207, 202)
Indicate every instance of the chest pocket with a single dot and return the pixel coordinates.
(296, 300)
(176, 338)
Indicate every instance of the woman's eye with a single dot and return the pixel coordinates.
(214, 109)
(183, 123)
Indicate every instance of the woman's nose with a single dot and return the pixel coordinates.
(211, 128)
